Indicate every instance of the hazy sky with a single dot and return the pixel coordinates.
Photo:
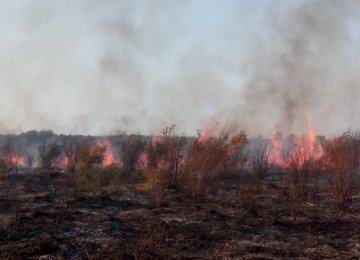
(97, 67)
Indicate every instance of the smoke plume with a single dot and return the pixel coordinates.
(307, 66)
(95, 67)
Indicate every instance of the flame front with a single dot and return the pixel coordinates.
(302, 147)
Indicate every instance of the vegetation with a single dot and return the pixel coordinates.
(224, 179)
(49, 155)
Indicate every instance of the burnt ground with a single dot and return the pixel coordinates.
(47, 217)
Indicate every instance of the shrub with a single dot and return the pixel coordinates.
(71, 149)
(208, 160)
(11, 156)
(173, 149)
(90, 157)
(259, 161)
(49, 155)
(341, 162)
(131, 148)
(159, 184)
(164, 162)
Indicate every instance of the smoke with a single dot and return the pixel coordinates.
(95, 67)
(307, 66)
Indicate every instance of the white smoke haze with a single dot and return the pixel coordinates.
(97, 67)
(309, 67)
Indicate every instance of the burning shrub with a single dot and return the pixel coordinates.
(301, 167)
(165, 155)
(49, 155)
(90, 156)
(131, 148)
(71, 149)
(207, 160)
(166, 152)
(12, 156)
(341, 162)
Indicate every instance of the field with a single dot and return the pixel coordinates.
(45, 215)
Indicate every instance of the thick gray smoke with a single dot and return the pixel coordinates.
(307, 66)
(137, 66)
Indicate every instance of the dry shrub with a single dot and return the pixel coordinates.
(209, 160)
(71, 148)
(196, 170)
(49, 155)
(109, 176)
(167, 153)
(341, 162)
(131, 148)
(158, 179)
(301, 170)
(90, 157)
(247, 193)
(4, 167)
(164, 162)
(259, 161)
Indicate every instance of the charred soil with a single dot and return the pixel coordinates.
(46, 216)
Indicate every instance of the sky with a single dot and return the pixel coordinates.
(101, 67)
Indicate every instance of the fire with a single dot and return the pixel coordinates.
(275, 155)
(108, 155)
(203, 137)
(64, 162)
(302, 147)
(315, 149)
(143, 160)
(17, 160)
(157, 138)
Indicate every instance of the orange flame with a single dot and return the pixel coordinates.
(108, 155)
(306, 146)
(64, 162)
(275, 155)
(143, 160)
(17, 159)
(203, 137)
